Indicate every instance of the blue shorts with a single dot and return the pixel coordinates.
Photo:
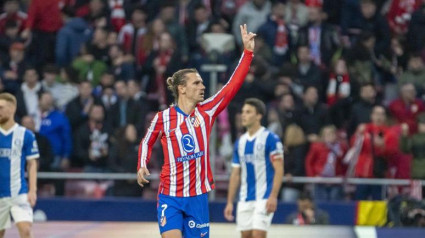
(188, 214)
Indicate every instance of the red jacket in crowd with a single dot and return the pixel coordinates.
(317, 158)
(407, 113)
(45, 15)
(19, 17)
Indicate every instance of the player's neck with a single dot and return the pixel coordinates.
(7, 125)
(186, 106)
(253, 129)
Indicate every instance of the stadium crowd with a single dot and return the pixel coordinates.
(343, 80)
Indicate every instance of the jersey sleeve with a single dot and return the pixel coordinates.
(145, 147)
(215, 104)
(30, 146)
(236, 162)
(274, 147)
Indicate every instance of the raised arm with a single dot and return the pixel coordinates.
(215, 104)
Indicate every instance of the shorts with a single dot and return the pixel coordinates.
(252, 215)
(17, 207)
(187, 214)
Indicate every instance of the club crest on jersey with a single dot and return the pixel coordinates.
(188, 143)
(163, 221)
(195, 121)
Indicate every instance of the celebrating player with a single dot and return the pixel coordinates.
(18, 149)
(258, 168)
(185, 128)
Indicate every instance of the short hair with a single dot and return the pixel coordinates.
(368, 2)
(305, 196)
(8, 97)
(178, 78)
(259, 105)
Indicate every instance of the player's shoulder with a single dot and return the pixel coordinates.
(27, 133)
(271, 135)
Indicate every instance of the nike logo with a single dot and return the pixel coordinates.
(203, 234)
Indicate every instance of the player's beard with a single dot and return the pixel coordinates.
(3, 120)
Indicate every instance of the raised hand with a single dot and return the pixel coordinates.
(247, 38)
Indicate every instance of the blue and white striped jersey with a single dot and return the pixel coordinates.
(254, 155)
(17, 145)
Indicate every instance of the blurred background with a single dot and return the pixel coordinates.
(343, 81)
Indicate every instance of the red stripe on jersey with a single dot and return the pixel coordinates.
(176, 153)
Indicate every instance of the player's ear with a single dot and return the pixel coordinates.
(181, 89)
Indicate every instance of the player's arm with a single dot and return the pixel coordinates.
(145, 148)
(276, 156)
(32, 181)
(235, 180)
(215, 104)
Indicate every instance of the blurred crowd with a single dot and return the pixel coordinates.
(343, 80)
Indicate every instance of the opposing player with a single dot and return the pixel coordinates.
(258, 168)
(18, 150)
(185, 128)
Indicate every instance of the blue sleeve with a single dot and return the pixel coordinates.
(66, 137)
(274, 147)
(236, 162)
(30, 149)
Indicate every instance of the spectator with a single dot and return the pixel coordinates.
(415, 145)
(196, 27)
(14, 67)
(361, 110)
(125, 110)
(160, 65)
(12, 14)
(276, 34)
(138, 95)
(313, 114)
(92, 142)
(287, 111)
(46, 152)
(415, 74)
(71, 37)
(55, 127)
(296, 16)
(322, 38)
(416, 31)
(374, 22)
(121, 158)
(10, 36)
(44, 21)
(324, 159)
(27, 96)
(121, 65)
(307, 213)
(400, 14)
(78, 109)
(168, 15)
(69, 87)
(407, 107)
(50, 81)
(371, 156)
(308, 73)
(339, 83)
(254, 14)
(131, 35)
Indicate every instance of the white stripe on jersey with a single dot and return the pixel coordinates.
(15, 160)
(243, 193)
(198, 161)
(206, 154)
(171, 161)
(260, 165)
(214, 109)
(145, 142)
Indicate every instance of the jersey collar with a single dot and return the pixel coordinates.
(250, 138)
(9, 131)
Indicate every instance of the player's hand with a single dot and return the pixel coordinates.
(228, 212)
(32, 198)
(247, 38)
(143, 171)
(271, 204)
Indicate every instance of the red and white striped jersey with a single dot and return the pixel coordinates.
(185, 139)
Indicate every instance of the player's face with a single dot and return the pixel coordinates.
(194, 89)
(249, 116)
(6, 111)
